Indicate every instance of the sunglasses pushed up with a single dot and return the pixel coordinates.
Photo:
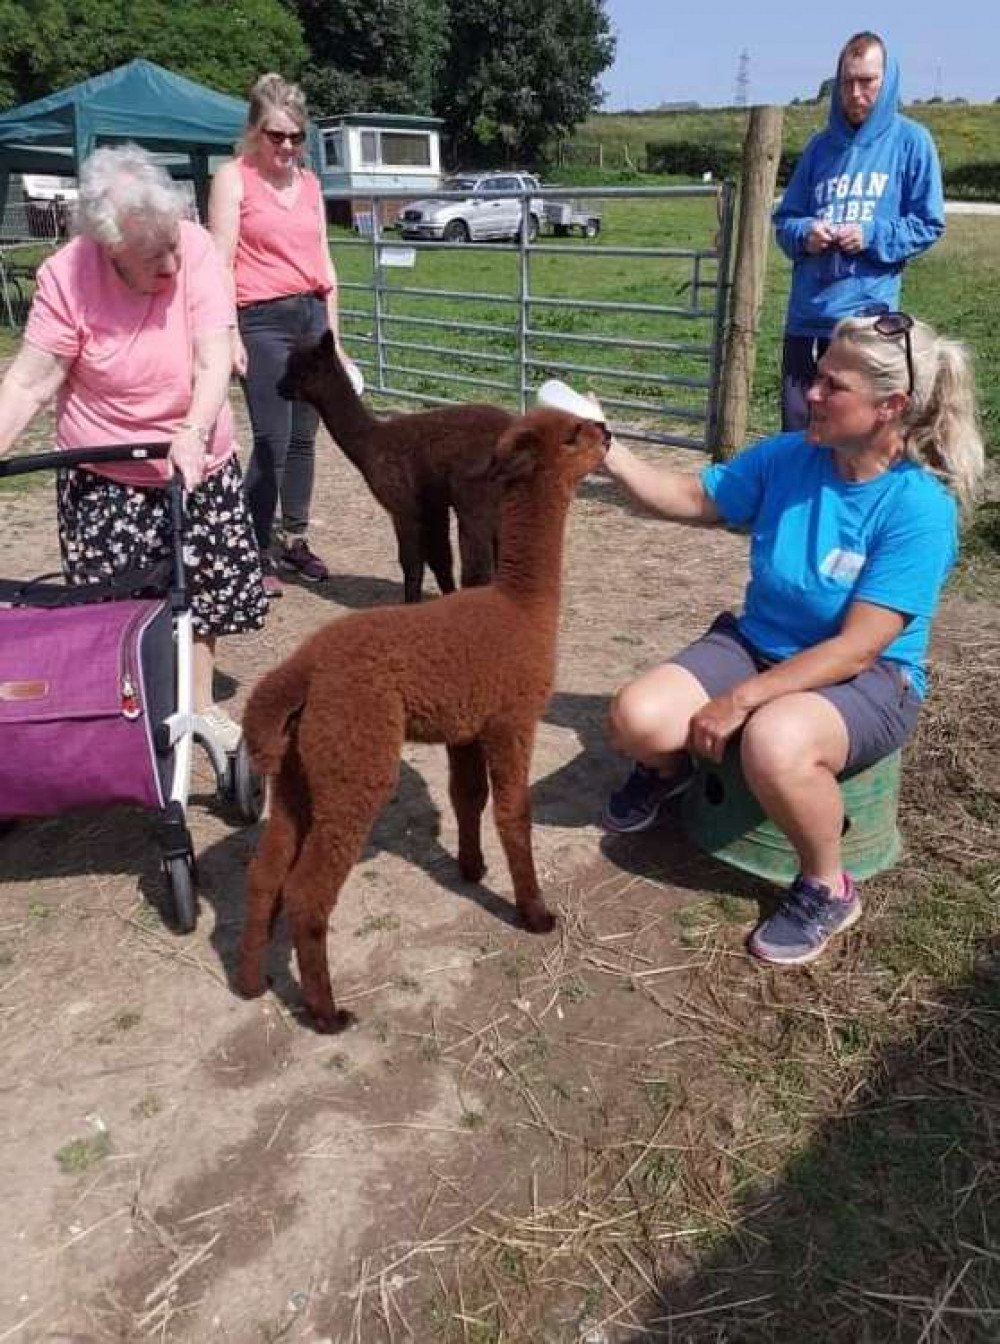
(891, 325)
(278, 138)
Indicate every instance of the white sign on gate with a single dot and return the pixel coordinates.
(399, 256)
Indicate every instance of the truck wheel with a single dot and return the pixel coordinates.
(456, 232)
(592, 228)
(560, 231)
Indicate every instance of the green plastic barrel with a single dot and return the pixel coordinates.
(723, 818)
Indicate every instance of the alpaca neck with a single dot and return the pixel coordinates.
(532, 528)
(345, 415)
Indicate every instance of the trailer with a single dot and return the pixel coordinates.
(563, 217)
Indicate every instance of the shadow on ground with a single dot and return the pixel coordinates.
(887, 1226)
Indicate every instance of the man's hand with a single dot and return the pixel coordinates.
(850, 238)
(820, 238)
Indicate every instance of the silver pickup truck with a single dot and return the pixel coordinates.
(476, 216)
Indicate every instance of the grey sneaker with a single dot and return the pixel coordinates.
(295, 557)
(225, 731)
(808, 917)
(636, 805)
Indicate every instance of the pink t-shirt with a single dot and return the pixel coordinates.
(133, 354)
(279, 249)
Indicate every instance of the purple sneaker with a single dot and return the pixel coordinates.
(297, 559)
(808, 917)
(636, 805)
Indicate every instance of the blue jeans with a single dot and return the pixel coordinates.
(284, 432)
(799, 357)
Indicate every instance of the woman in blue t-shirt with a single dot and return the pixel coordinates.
(853, 526)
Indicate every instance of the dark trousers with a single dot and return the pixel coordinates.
(799, 357)
(284, 432)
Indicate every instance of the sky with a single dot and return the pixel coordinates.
(672, 52)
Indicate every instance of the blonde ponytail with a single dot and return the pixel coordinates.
(940, 421)
(941, 424)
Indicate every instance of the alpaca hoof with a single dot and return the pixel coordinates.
(251, 986)
(538, 921)
(472, 870)
(332, 1023)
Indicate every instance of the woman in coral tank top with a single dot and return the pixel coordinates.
(267, 218)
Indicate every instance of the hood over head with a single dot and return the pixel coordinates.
(879, 119)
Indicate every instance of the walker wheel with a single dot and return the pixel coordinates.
(249, 790)
(180, 875)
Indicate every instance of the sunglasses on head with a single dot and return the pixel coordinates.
(295, 138)
(891, 325)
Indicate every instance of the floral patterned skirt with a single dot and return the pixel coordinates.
(107, 528)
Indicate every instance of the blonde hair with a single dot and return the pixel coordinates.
(271, 93)
(940, 423)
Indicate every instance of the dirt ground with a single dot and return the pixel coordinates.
(181, 1165)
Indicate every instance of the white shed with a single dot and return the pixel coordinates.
(385, 151)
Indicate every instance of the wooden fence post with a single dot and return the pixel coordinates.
(761, 152)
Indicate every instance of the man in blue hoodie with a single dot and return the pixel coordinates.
(865, 196)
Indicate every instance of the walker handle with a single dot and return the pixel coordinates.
(81, 457)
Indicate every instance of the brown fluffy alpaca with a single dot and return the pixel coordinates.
(473, 670)
(417, 466)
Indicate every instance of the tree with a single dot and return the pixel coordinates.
(373, 55)
(15, 52)
(223, 43)
(522, 72)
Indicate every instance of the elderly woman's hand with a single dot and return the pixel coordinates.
(187, 455)
(714, 724)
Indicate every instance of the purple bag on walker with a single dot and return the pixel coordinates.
(82, 690)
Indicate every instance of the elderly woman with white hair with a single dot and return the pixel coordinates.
(130, 329)
(853, 527)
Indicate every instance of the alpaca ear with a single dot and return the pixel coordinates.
(516, 454)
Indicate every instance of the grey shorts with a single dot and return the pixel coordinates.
(879, 706)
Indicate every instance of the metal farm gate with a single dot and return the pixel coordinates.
(640, 324)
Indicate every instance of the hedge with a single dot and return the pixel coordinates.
(692, 158)
(973, 181)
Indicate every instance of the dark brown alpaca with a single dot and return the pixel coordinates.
(473, 670)
(417, 466)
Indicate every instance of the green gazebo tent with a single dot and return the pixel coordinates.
(141, 102)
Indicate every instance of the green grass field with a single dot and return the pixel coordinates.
(963, 133)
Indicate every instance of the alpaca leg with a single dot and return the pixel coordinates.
(508, 755)
(437, 547)
(468, 789)
(265, 879)
(347, 794)
(411, 556)
(476, 546)
(311, 892)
